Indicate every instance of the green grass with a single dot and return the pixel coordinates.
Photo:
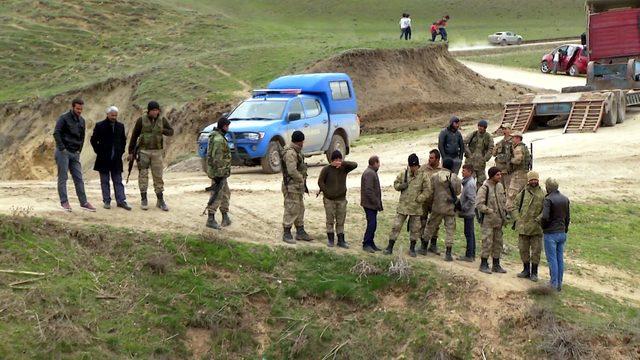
(526, 59)
(56, 46)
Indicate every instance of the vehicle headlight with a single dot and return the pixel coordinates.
(254, 136)
(203, 137)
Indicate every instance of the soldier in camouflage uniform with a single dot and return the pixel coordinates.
(519, 166)
(149, 130)
(446, 187)
(502, 153)
(415, 190)
(218, 170)
(430, 168)
(478, 149)
(528, 217)
(490, 202)
(294, 185)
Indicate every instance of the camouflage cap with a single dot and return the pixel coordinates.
(533, 175)
(517, 133)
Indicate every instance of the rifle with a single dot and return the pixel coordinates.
(214, 193)
(531, 156)
(133, 159)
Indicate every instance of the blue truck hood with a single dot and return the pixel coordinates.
(247, 125)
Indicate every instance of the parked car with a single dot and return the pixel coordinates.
(322, 106)
(573, 60)
(505, 38)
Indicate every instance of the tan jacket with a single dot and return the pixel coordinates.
(443, 202)
(429, 170)
(415, 190)
(491, 201)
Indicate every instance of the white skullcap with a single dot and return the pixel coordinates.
(112, 109)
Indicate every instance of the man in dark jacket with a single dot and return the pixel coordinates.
(371, 202)
(69, 136)
(451, 144)
(108, 141)
(555, 226)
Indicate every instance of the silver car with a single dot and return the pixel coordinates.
(505, 38)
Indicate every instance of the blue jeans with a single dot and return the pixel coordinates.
(118, 188)
(372, 225)
(554, 250)
(470, 235)
(69, 162)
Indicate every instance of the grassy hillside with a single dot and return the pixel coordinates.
(50, 46)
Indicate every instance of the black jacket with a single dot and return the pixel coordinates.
(69, 132)
(108, 141)
(451, 143)
(555, 213)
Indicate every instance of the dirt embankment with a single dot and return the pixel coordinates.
(417, 87)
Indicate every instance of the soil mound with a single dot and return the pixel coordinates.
(416, 87)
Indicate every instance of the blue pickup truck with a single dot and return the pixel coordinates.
(322, 106)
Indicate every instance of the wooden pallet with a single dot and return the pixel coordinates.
(517, 116)
(633, 98)
(585, 116)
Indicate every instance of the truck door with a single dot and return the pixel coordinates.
(316, 124)
(295, 107)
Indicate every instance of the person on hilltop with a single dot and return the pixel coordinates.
(442, 27)
(405, 26)
(69, 137)
(434, 32)
(109, 143)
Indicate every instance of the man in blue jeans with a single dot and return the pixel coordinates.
(468, 211)
(371, 202)
(69, 136)
(555, 225)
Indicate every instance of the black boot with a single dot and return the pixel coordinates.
(330, 239)
(341, 242)
(160, 203)
(424, 247)
(496, 266)
(484, 265)
(301, 234)
(286, 235)
(534, 272)
(412, 249)
(144, 203)
(375, 247)
(447, 256)
(226, 220)
(211, 221)
(389, 249)
(525, 271)
(433, 248)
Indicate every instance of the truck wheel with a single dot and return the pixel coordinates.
(503, 42)
(573, 71)
(611, 117)
(337, 143)
(271, 160)
(544, 67)
(622, 107)
(519, 42)
(590, 73)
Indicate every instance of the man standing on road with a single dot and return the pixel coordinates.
(478, 150)
(219, 170)
(446, 188)
(371, 202)
(432, 167)
(503, 153)
(109, 142)
(556, 62)
(69, 137)
(528, 217)
(555, 226)
(490, 202)
(451, 144)
(147, 140)
(294, 185)
(414, 189)
(333, 185)
(467, 211)
(519, 166)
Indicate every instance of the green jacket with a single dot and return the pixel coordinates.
(491, 201)
(218, 155)
(294, 170)
(414, 192)
(528, 205)
(478, 148)
(148, 134)
(503, 151)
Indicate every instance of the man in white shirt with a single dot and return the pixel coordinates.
(556, 61)
(405, 27)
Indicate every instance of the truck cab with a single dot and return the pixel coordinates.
(322, 106)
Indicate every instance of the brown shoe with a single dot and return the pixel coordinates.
(88, 207)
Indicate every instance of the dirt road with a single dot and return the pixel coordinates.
(589, 167)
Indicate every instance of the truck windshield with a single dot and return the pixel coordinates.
(259, 110)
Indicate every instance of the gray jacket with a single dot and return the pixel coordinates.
(468, 198)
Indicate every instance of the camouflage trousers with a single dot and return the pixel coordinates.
(491, 242)
(150, 159)
(530, 248)
(414, 227)
(423, 227)
(222, 201)
(293, 210)
(480, 172)
(433, 224)
(517, 183)
(336, 212)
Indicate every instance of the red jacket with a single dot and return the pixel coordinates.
(434, 28)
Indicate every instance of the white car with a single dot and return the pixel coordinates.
(505, 38)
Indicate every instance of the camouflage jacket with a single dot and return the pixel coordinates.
(502, 153)
(294, 170)
(528, 205)
(218, 155)
(443, 202)
(478, 148)
(429, 170)
(491, 201)
(521, 158)
(415, 190)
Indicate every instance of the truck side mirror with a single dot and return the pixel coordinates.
(225, 115)
(294, 116)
